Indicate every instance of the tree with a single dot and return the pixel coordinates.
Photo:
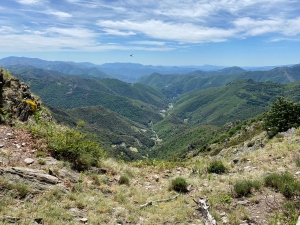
(283, 115)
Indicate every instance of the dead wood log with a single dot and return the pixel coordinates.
(159, 200)
(298, 222)
(203, 208)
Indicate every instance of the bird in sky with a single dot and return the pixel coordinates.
(131, 55)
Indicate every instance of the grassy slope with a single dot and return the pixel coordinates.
(101, 200)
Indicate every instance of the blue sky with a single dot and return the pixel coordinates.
(164, 32)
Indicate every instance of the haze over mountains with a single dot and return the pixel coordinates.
(164, 111)
(127, 72)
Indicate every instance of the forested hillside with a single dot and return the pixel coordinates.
(174, 85)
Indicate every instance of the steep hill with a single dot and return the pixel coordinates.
(115, 133)
(238, 100)
(135, 101)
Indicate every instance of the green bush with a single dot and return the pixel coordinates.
(242, 188)
(179, 184)
(217, 167)
(291, 210)
(124, 180)
(78, 148)
(285, 183)
(245, 187)
(283, 115)
(225, 199)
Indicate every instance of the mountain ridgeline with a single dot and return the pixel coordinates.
(160, 115)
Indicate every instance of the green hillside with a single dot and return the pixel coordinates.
(198, 116)
(116, 133)
(174, 85)
(238, 100)
(134, 101)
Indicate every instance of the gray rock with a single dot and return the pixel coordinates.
(83, 220)
(3, 160)
(224, 220)
(10, 219)
(50, 161)
(281, 169)
(65, 174)
(246, 202)
(28, 161)
(37, 179)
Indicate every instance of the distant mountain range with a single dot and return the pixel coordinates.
(174, 85)
(161, 113)
(128, 72)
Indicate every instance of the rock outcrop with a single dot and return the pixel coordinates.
(37, 179)
(17, 103)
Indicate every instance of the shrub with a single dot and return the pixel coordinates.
(124, 180)
(217, 167)
(42, 161)
(283, 115)
(33, 105)
(285, 183)
(179, 184)
(291, 210)
(225, 199)
(78, 148)
(244, 187)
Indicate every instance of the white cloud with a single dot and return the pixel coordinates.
(71, 32)
(6, 30)
(40, 43)
(59, 14)
(252, 27)
(29, 2)
(184, 32)
(88, 4)
(158, 43)
(284, 39)
(118, 32)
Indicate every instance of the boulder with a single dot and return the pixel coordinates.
(37, 179)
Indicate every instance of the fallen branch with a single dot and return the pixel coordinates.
(298, 222)
(160, 200)
(203, 208)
